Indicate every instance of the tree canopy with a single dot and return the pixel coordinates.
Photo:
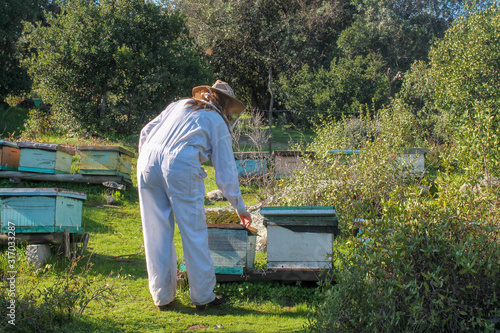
(243, 39)
(13, 77)
(112, 64)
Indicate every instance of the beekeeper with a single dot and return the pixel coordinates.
(170, 182)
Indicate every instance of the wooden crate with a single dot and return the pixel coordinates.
(45, 158)
(41, 210)
(287, 161)
(105, 160)
(9, 155)
(232, 248)
(251, 164)
(299, 237)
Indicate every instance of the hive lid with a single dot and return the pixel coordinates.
(107, 148)
(299, 211)
(413, 151)
(293, 153)
(46, 146)
(345, 151)
(9, 192)
(250, 231)
(241, 155)
(8, 143)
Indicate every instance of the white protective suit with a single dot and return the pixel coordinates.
(170, 182)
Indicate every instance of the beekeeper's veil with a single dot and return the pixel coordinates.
(233, 107)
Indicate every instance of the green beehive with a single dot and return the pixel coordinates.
(232, 248)
(300, 237)
(41, 210)
(105, 160)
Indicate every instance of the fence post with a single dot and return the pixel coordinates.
(270, 114)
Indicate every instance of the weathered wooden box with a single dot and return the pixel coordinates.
(105, 160)
(251, 164)
(9, 155)
(232, 248)
(413, 161)
(45, 158)
(287, 161)
(41, 210)
(300, 237)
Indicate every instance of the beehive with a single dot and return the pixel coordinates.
(413, 161)
(9, 155)
(45, 158)
(287, 161)
(251, 164)
(105, 160)
(41, 210)
(299, 237)
(232, 248)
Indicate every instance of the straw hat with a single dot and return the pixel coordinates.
(234, 108)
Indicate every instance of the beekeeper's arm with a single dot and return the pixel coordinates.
(226, 174)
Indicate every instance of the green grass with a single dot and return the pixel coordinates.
(116, 247)
(116, 252)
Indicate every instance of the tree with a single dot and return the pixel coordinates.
(244, 39)
(401, 31)
(466, 64)
(346, 86)
(112, 65)
(13, 78)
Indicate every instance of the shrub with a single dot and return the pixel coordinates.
(428, 265)
(45, 307)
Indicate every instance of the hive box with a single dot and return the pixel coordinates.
(105, 160)
(45, 158)
(299, 237)
(232, 248)
(41, 210)
(251, 164)
(287, 161)
(9, 155)
(413, 161)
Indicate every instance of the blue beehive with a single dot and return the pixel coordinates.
(41, 210)
(250, 164)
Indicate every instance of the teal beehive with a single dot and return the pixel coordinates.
(232, 248)
(41, 210)
(251, 164)
(45, 158)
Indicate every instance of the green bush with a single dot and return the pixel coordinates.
(41, 307)
(430, 265)
(356, 184)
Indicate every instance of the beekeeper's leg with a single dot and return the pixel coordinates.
(189, 212)
(158, 229)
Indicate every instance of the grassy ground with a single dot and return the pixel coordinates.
(116, 256)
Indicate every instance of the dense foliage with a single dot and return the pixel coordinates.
(244, 39)
(14, 78)
(428, 255)
(112, 65)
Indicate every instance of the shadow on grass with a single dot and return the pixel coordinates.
(91, 225)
